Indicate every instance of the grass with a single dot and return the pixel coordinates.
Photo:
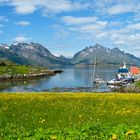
(19, 69)
(137, 84)
(9, 68)
(69, 116)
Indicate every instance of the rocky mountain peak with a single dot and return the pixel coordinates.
(34, 44)
(98, 46)
(4, 46)
(92, 49)
(62, 56)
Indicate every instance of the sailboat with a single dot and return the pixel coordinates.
(96, 79)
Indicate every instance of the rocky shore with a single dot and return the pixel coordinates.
(29, 76)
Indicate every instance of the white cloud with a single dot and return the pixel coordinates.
(115, 23)
(101, 23)
(102, 34)
(47, 6)
(61, 34)
(121, 8)
(134, 26)
(23, 23)
(90, 28)
(21, 38)
(87, 24)
(119, 42)
(127, 39)
(23, 7)
(134, 37)
(70, 20)
(55, 7)
(115, 7)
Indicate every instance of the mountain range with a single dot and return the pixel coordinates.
(104, 56)
(35, 54)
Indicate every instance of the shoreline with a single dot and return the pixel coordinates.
(28, 76)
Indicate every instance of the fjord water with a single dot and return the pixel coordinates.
(72, 79)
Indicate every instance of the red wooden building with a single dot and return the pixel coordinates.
(134, 70)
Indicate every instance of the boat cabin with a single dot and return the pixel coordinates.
(123, 72)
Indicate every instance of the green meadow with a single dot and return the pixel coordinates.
(18, 69)
(10, 68)
(69, 116)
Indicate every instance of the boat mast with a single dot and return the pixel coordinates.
(124, 65)
(93, 71)
(94, 68)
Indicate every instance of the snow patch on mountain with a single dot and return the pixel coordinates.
(4, 46)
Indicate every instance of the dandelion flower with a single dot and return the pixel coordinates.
(130, 132)
(114, 137)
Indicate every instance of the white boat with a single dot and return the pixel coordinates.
(123, 76)
(99, 80)
(123, 72)
(115, 82)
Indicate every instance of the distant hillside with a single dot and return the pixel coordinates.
(9, 68)
(5, 62)
(104, 56)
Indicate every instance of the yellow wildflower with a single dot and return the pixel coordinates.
(129, 132)
(42, 121)
(53, 137)
(114, 137)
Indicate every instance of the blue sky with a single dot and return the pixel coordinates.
(68, 26)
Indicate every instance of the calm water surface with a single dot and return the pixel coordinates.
(76, 78)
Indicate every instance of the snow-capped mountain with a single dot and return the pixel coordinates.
(33, 53)
(36, 54)
(104, 56)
